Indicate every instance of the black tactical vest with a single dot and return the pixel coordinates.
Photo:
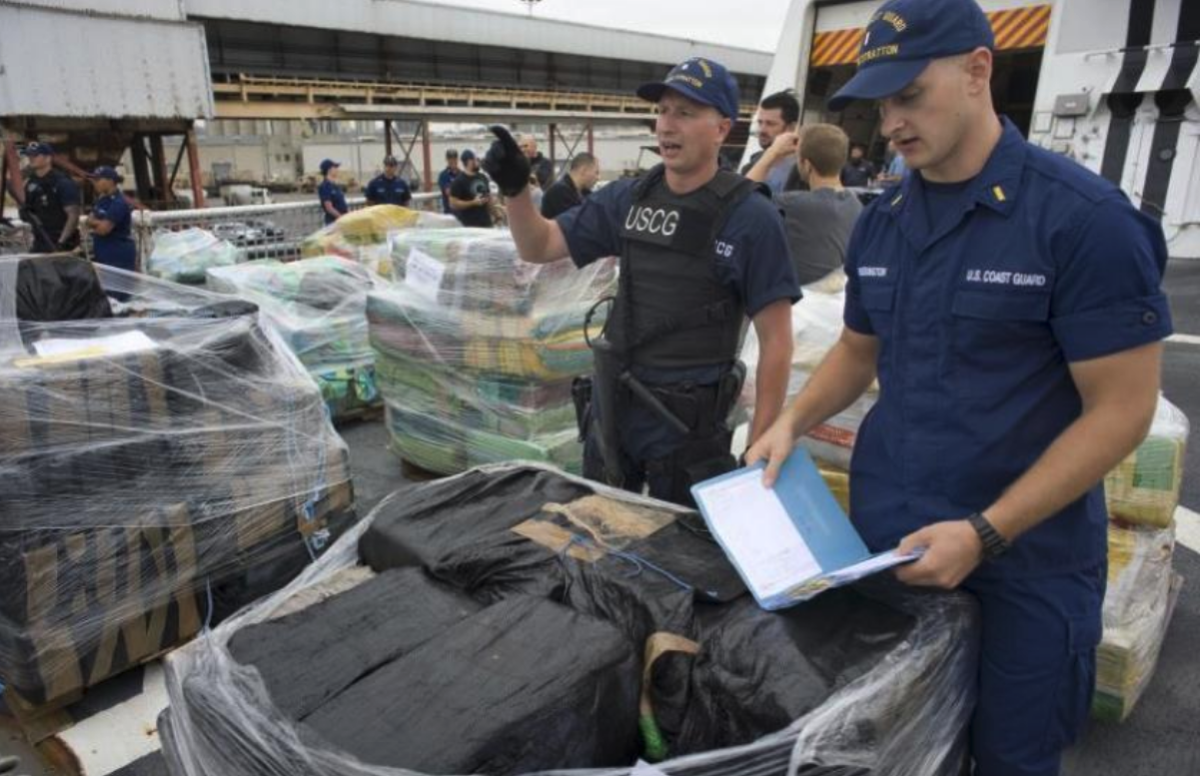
(670, 295)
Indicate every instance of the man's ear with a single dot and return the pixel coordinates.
(724, 126)
(978, 65)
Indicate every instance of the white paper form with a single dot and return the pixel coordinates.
(755, 528)
(423, 274)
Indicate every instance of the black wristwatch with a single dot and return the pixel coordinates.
(994, 545)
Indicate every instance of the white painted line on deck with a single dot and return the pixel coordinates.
(1187, 528)
(1184, 339)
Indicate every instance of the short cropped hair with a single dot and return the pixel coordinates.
(825, 147)
(582, 160)
(786, 103)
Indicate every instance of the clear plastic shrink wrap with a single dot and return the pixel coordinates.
(522, 620)
(319, 307)
(158, 471)
(1137, 609)
(816, 326)
(184, 256)
(476, 349)
(1144, 488)
(365, 235)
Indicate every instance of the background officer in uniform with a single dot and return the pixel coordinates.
(388, 188)
(1009, 302)
(693, 241)
(446, 177)
(333, 199)
(52, 202)
(574, 187)
(112, 243)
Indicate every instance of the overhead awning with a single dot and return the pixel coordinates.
(1016, 28)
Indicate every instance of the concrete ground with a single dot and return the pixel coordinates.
(1163, 734)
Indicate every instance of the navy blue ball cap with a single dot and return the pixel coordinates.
(904, 36)
(327, 165)
(466, 156)
(38, 149)
(108, 173)
(703, 80)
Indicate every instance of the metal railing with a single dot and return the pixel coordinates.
(260, 231)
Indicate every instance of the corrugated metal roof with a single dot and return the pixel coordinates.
(102, 66)
(414, 19)
(150, 9)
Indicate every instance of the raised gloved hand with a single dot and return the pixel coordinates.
(506, 164)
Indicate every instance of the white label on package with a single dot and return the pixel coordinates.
(115, 345)
(423, 274)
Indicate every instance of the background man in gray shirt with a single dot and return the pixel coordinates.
(818, 221)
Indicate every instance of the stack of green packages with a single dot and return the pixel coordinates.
(185, 256)
(318, 306)
(1142, 494)
(476, 350)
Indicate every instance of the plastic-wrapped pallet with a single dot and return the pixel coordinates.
(186, 255)
(365, 235)
(319, 307)
(476, 349)
(1144, 488)
(502, 635)
(1137, 609)
(816, 326)
(158, 472)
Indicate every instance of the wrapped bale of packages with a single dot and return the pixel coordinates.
(515, 619)
(476, 350)
(1144, 488)
(365, 235)
(185, 256)
(1138, 604)
(158, 473)
(816, 326)
(319, 307)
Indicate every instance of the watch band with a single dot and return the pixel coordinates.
(994, 545)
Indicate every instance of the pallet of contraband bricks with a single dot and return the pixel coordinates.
(157, 474)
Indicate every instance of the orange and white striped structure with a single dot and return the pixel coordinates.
(1016, 28)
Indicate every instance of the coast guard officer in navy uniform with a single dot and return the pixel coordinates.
(388, 188)
(1009, 302)
(112, 243)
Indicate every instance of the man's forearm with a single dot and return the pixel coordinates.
(1078, 459)
(71, 225)
(842, 377)
(762, 167)
(770, 389)
(532, 233)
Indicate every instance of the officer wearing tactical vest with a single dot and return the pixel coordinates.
(52, 203)
(701, 251)
(1009, 302)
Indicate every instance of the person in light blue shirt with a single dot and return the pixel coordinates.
(896, 169)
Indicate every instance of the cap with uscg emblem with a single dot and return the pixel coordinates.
(703, 80)
(904, 36)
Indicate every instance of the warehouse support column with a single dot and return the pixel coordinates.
(427, 154)
(194, 173)
(387, 137)
(159, 156)
(553, 160)
(12, 163)
(141, 167)
(591, 138)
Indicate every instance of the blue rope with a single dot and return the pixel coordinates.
(639, 563)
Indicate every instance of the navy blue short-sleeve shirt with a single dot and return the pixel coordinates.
(979, 313)
(328, 191)
(383, 190)
(751, 252)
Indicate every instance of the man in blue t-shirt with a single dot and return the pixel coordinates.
(1009, 303)
(333, 199)
(112, 243)
(446, 179)
(388, 188)
(701, 252)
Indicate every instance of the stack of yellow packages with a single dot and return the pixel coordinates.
(1142, 494)
(366, 235)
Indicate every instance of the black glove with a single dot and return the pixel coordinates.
(506, 164)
